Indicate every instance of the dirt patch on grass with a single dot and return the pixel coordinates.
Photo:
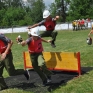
(34, 84)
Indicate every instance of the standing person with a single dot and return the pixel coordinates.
(35, 49)
(86, 23)
(82, 24)
(50, 24)
(6, 61)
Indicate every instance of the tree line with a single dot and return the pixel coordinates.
(18, 13)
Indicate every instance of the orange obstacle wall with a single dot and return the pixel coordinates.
(65, 61)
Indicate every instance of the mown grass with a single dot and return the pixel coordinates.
(67, 41)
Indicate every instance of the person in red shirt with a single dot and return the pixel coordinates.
(6, 61)
(50, 24)
(35, 49)
(82, 24)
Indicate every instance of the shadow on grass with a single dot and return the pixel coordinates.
(85, 70)
(59, 78)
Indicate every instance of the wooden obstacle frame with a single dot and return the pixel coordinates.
(63, 61)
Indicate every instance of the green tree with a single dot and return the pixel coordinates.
(59, 8)
(12, 16)
(2, 5)
(13, 3)
(80, 9)
(37, 7)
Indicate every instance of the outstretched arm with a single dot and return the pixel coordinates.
(35, 25)
(23, 43)
(47, 41)
(91, 32)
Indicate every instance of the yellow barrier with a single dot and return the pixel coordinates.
(65, 61)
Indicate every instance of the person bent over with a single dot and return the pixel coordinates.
(6, 61)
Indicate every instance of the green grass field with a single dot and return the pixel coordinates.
(67, 41)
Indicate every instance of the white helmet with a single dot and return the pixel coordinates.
(46, 13)
(35, 32)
